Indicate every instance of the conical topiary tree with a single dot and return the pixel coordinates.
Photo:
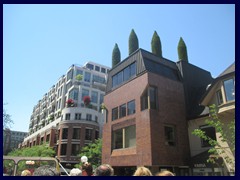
(156, 45)
(132, 42)
(116, 55)
(182, 50)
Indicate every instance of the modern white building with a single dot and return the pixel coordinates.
(64, 118)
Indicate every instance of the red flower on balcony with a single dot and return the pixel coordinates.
(70, 102)
(86, 100)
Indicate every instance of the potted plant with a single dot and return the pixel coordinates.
(86, 100)
(70, 103)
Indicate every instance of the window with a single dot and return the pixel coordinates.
(78, 116)
(75, 149)
(219, 97)
(210, 132)
(70, 74)
(125, 137)
(122, 111)
(65, 133)
(151, 94)
(89, 66)
(88, 134)
(124, 75)
(85, 92)
(169, 135)
(73, 94)
(229, 88)
(115, 114)
(79, 72)
(87, 77)
(68, 86)
(97, 68)
(88, 117)
(101, 98)
(63, 149)
(131, 107)
(94, 97)
(153, 97)
(99, 79)
(67, 116)
(76, 133)
(103, 70)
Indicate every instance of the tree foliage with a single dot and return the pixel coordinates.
(132, 42)
(35, 151)
(227, 135)
(7, 121)
(93, 151)
(116, 55)
(182, 50)
(156, 45)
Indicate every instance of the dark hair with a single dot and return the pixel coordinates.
(104, 170)
(46, 170)
(88, 168)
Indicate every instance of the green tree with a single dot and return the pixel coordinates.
(132, 42)
(7, 121)
(35, 151)
(156, 45)
(93, 151)
(226, 135)
(182, 50)
(116, 55)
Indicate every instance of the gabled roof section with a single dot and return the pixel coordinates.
(227, 72)
(230, 69)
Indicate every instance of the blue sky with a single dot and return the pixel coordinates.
(40, 42)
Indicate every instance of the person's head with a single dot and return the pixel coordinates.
(104, 170)
(75, 172)
(46, 170)
(88, 168)
(26, 172)
(165, 173)
(142, 171)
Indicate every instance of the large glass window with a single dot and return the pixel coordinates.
(103, 70)
(65, 133)
(219, 97)
(125, 137)
(85, 92)
(209, 132)
(73, 94)
(99, 79)
(149, 94)
(76, 133)
(63, 149)
(131, 109)
(87, 77)
(114, 113)
(97, 68)
(88, 134)
(169, 135)
(94, 97)
(122, 111)
(75, 149)
(124, 75)
(68, 86)
(229, 88)
(79, 72)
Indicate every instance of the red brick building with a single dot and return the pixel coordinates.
(148, 104)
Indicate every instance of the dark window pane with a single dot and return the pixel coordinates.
(115, 114)
(229, 89)
(131, 107)
(122, 111)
